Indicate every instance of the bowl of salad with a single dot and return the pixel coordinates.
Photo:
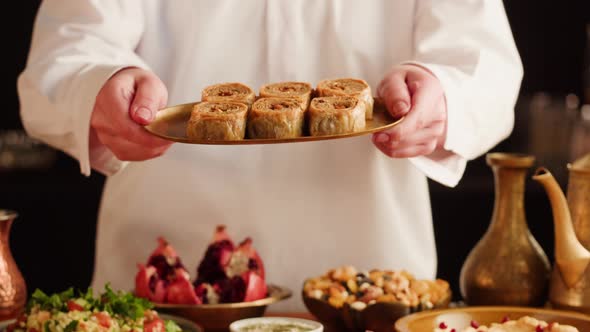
(111, 311)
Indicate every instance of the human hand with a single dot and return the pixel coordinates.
(126, 102)
(413, 92)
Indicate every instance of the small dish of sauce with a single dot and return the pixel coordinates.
(275, 324)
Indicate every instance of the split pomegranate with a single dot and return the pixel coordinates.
(228, 273)
(164, 279)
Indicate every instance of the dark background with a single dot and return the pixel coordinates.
(53, 238)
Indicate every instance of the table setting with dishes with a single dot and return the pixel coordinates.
(507, 281)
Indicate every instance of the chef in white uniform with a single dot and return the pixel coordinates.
(99, 69)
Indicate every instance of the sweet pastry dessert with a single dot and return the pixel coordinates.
(348, 87)
(299, 90)
(273, 117)
(217, 121)
(336, 115)
(234, 92)
(523, 324)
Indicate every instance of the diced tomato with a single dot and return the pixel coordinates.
(73, 306)
(155, 325)
(103, 319)
(43, 315)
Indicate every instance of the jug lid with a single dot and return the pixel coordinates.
(582, 164)
(7, 214)
(511, 160)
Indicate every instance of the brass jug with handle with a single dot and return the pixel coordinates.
(570, 279)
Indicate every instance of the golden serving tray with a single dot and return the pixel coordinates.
(459, 318)
(170, 124)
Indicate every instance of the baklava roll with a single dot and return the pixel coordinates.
(217, 121)
(232, 92)
(273, 117)
(299, 90)
(336, 115)
(348, 87)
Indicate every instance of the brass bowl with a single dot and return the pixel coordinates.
(377, 317)
(218, 317)
(459, 318)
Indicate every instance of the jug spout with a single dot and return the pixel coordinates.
(571, 257)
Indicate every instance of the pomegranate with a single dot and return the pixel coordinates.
(228, 273)
(164, 278)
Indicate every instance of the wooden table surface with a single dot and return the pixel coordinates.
(304, 315)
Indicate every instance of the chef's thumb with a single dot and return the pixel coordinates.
(150, 95)
(395, 94)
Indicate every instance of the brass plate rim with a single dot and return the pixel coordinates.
(277, 293)
(402, 324)
(176, 113)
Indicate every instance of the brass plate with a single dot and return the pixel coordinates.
(217, 317)
(459, 318)
(276, 294)
(170, 124)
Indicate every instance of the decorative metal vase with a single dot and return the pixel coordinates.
(13, 290)
(507, 266)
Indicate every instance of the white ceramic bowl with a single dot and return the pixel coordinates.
(240, 325)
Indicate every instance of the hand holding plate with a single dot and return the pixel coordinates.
(415, 93)
(126, 102)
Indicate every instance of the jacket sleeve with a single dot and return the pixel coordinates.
(77, 46)
(468, 46)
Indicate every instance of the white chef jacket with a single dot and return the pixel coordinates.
(308, 206)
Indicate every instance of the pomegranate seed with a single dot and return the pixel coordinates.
(539, 328)
(453, 330)
(474, 324)
(505, 319)
(442, 325)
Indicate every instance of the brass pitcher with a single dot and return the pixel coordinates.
(13, 290)
(507, 266)
(570, 280)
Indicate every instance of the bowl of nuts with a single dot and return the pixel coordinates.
(348, 300)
